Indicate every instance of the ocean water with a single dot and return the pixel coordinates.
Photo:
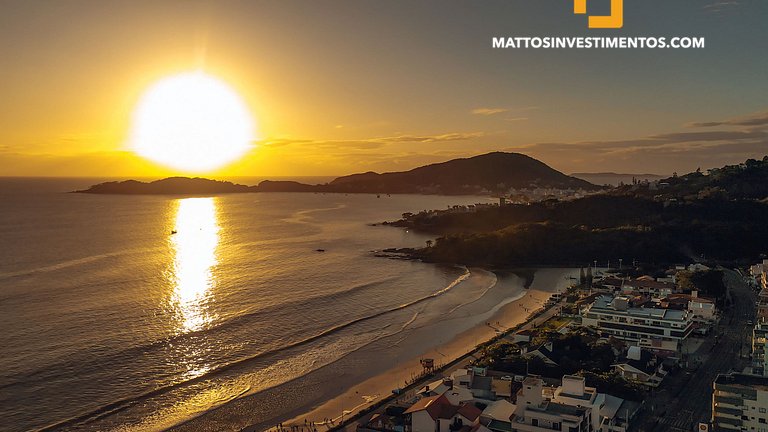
(139, 312)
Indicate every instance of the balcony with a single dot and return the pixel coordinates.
(730, 411)
(735, 401)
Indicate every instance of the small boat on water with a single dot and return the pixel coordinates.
(319, 250)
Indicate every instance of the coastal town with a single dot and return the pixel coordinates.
(623, 349)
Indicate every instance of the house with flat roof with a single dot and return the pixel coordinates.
(534, 413)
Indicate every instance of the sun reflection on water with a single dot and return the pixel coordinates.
(194, 240)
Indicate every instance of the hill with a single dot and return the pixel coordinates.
(492, 172)
(489, 173)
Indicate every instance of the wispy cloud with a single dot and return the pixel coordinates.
(719, 6)
(374, 142)
(489, 111)
(757, 119)
(681, 140)
(494, 111)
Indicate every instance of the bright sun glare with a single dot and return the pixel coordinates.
(191, 122)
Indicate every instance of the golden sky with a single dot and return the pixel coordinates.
(354, 85)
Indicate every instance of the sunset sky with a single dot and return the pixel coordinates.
(343, 86)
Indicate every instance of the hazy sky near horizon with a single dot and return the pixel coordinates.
(342, 86)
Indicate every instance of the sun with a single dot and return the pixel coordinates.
(191, 122)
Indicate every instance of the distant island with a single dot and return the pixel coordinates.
(491, 173)
(616, 179)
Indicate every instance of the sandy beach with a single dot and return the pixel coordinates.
(337, 388)
(509, 315)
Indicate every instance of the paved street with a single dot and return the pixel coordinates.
(685, 400)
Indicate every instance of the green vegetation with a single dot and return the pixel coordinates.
(717, 217)
(576, 353)
(573, 353)
(746, 181)
(708, 283)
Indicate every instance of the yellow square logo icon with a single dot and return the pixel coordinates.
(614, 20)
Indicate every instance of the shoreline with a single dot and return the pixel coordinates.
(360, 399)
(353, 396)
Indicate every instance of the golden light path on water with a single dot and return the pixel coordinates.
(194, 243)
(194, 246)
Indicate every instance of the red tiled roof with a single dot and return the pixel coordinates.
(438, 407)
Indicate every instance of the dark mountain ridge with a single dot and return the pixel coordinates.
(489, 172)
(484, 174)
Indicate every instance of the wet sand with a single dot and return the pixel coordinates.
(366, 393)
(331, 389)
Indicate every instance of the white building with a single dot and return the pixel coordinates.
(571, 407)
(740, 403)
(534, 413)
(574, 392)
(651, 328)
(703, 309)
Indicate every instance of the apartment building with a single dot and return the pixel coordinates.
(740, 403)
(651, 328)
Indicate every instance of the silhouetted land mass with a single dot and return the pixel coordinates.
(719, 217)
(615, 179)
(171, 185)
(489, 173)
